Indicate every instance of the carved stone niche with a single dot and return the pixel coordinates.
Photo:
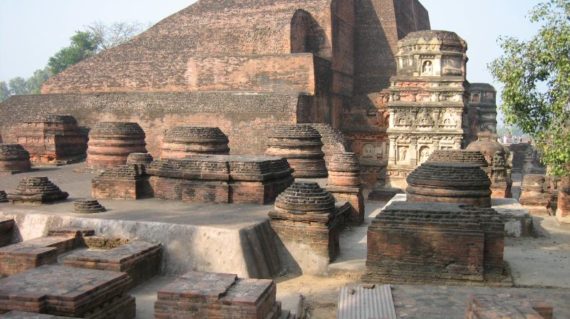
(447, 54)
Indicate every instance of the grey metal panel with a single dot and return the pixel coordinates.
(366, 302)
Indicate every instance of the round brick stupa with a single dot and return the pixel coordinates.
(14, 158)
(344, 170)
(110, 143)
(301, 146)
(87, 206)
(305, 198)
(184, 141)
(449, 183)
(37, 190)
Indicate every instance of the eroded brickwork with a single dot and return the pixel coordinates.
(110, 143)
(184, 141)
(14, 159)
(301, 145)
(121, 182)
(70, 292)
(507, 306)
(306, 220)
(534, 195)
(36, 190)
(216, 295)
(50, 139)
(431, 242)
(344, 183)
(220, 179)
(449, 183)
(139, 259)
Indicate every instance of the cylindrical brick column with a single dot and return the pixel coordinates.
(344, 170)
(14, 158)
(110, 143)
(301, 146)
(184, 141)
(449, 183)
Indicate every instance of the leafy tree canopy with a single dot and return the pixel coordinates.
(536, 79)
(95, 38)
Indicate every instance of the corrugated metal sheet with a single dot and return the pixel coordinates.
(366, 302)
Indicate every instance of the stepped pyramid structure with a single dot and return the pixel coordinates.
(243, 66)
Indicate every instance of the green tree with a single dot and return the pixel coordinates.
(109, 36)
(18, 86)
(83, 45)
(4, 91)
(536, 79)
(37, 79)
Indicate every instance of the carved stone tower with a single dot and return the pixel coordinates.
(427, 100)
(482, 109)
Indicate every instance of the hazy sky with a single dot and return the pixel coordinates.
(33, 30)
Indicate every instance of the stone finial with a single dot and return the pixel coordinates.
(301, 146)
(184, 141)
(37, 190)
(305, 198)
(14, 158)
(449, 183)
(87, 206)
(110, 143)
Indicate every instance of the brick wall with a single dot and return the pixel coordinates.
(245, 118)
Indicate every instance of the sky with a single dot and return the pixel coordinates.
(33, 30)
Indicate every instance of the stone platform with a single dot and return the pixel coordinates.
(204, 237)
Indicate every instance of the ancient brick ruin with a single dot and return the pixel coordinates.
(499, 161)
(120, 182)
(507, 306)
(50, 139)
(184, 141)
(69, 292)
(87, 206)
(427, 100)
(534, 194)
(306, 220)
(301, 145)
(14, 159)
(449, 183)
(220, 179)
(33, 253)
(215, 295)
(435, 242)
(344, 183)
(110, 143)
(37, 190)
(333, 140)
(482, 111)
(140, 260)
